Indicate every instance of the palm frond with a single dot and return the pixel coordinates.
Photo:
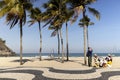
(31, 22)
(2, 4)
(35, 15)
(4, 11)
(49, 21)
(85, 21)
(81, 24)
(94, 12)
(51, 28)
(54, 33)
(88, 2)
(91, 23)
(12, 20)
(24, 18)
(28, 6)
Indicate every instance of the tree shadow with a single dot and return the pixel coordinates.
(23, 61)
(76, 61)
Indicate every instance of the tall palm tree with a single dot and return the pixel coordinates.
(57, 26)
(66, 15)
(82, 6)
(97, 15)
(51, 14)
(16, 13)
(36, 16)
(54, 33)
(85, 22)
(59, 8)
(53, 8)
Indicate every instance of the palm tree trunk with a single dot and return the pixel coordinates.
(60, 26)
(21, 34)
(62, 46)
(85, 40)
(58, 44)
(40, 51)
(87, 37)
(67, 42)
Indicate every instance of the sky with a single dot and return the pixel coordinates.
(104, 35)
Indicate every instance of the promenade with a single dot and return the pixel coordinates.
(47, 69)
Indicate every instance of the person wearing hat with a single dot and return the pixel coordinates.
(109, 60)
(96, 61)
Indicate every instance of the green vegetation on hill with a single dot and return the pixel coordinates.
(4, 50)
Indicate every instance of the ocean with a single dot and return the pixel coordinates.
(70, 54)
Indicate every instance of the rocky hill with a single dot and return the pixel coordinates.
(4, 50)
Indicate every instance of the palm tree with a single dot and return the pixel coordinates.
(59, 10)
(67, 14)
(16, 13)
(36, 16)
(82, 6)
(51, 14)
(94, 12)
(57, 27)
(67, 47)
(85, 22)
(54, 33)
(53, 8)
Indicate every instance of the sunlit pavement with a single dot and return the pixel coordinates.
(48, 73)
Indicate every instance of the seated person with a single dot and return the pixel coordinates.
(101, 60)
(104, 63)
(109, 60)
(96, 60)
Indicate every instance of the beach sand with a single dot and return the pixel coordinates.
(53, 69)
